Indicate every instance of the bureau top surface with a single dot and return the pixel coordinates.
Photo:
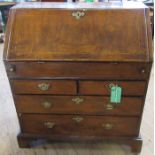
(78, 32)
(77, 5)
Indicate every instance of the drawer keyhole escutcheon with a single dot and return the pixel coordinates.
(107, 126)
(77, 100)
(49, 125)
(77, 119)
(46, 104)
(78, 15)
(43, 86)
(109, 107)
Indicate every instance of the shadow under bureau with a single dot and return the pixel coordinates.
(79, 71)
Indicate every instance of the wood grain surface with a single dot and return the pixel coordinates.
(10, 128)
(103, 45)
(58, 26)
(97, 105)
(67, 125)
(131, 88)
(78, 70)
(54, 87)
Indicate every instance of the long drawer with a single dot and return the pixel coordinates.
(43, 86)
(78, 69)
(96, 105)
(134, 88)
(79, 125)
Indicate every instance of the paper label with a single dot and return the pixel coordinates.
(116, 94)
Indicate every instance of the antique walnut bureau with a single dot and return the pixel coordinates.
(62, 61)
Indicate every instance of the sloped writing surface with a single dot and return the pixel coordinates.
(100, 35)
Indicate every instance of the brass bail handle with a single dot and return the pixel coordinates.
(108, 126)
(77, 119)
(77, 100)
(109, 107)
(43, 86)
(49, 125)
(111, 85)
(78, 14)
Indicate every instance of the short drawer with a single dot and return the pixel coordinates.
(77, 125)
(97, 105)
(133, 88)
(43, 87)
(83, 70)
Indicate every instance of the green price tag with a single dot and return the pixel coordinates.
(116, 94)
(89, 0)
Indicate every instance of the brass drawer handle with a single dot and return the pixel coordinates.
(109, 107)
(78, 15)
(43, 86)
(111, 85)
(49, 125)
(77, 100)
(77, 119)
(46, 104)
(107, 126)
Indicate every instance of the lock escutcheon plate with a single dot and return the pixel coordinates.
(46, 104)
(49, 125)
(78, 14)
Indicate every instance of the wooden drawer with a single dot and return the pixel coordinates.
(79, 125)
(77, 105)
(78, 69)
(133, 88)
(43, 87)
